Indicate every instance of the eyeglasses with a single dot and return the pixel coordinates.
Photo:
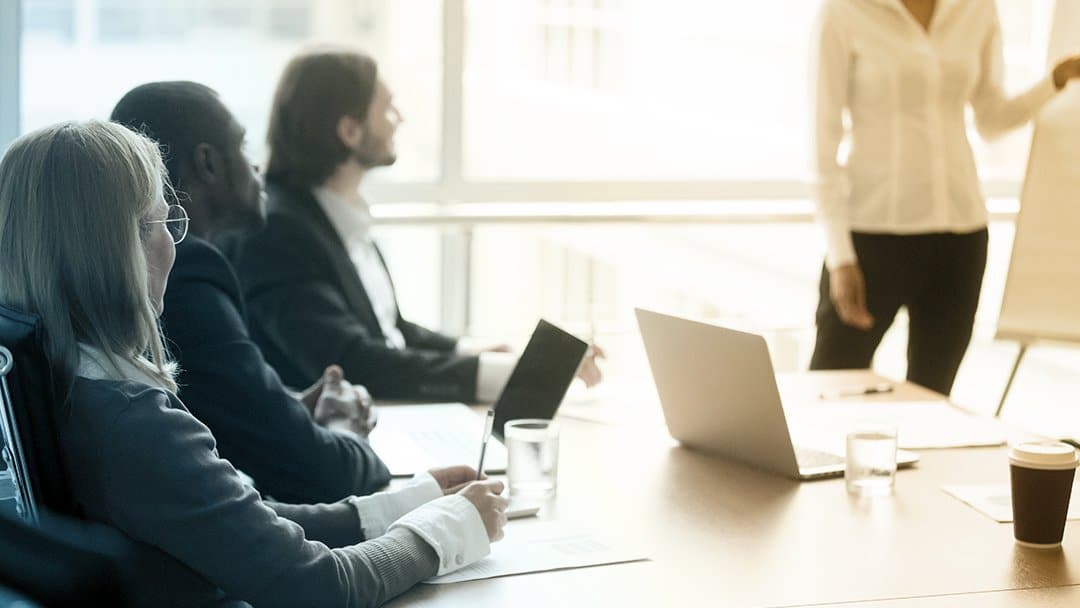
(176, 222)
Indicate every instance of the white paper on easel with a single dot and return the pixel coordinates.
(540, 546)
(994, 500)
(1041, 300)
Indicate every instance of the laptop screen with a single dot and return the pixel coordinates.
(543, 374)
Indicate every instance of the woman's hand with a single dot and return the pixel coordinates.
(484, 495)
(847, 289)
(454, 479)
(1066, 70)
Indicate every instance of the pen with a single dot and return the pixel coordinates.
(858, 391)
(489, 424)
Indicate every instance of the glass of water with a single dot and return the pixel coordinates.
(532, 445)
(870, 467)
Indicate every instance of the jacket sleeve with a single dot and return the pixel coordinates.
(327, 523)
(420, 337)
(165, 486)
(259, 426)
(296, 305)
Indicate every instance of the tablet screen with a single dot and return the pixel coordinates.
(543, 374)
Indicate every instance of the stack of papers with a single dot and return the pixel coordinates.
(539, 546)
(919, 424)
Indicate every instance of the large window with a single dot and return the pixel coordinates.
(668, 90)
(543, 90)
(80, 56)
(636, 89)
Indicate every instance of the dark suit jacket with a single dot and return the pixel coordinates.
(227, 385)
(309, 309)
(142, 464)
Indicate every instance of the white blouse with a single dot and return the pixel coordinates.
(905, 89)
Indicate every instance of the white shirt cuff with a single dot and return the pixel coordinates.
(378, 511)
(840, 250)
(467, 346)
(453, 528)
(492, 373)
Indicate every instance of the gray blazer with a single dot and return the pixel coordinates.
(141, 463)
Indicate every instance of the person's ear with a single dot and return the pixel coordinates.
(208, 165)
(350, 131)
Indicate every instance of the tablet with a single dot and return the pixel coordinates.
(543, 374)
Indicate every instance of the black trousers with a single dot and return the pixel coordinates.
(937, 277)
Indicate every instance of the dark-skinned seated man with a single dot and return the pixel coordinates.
(306, 448)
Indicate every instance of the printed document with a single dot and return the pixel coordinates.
(920, 424)
(540, 546)
(994, 500)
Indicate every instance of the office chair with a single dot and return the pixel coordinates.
(52, 559)
(62, 562)
(57, 560)
(28, 394)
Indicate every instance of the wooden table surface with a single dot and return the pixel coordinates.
(720, 534)
(1045, 597)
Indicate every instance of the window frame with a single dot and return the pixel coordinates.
(10, 66)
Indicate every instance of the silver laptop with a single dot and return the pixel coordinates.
(719, 395)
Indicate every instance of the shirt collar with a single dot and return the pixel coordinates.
(95, 365)
(351, 218)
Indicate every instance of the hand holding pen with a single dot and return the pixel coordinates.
(489, 425)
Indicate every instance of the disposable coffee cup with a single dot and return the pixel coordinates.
(1042, 479)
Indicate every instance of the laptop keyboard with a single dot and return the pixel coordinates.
(807, 457)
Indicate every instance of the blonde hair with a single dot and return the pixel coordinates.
(73, 197)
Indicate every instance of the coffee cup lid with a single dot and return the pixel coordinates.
(1043, 455)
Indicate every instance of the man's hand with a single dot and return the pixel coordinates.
(589, 371)
(847, 289)
(454, 479)
(340, 404)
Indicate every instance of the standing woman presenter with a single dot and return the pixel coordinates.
(904, 217)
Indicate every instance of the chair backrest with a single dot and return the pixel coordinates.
(29, 395)
(63, 562)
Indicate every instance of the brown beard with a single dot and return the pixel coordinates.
(374, 153)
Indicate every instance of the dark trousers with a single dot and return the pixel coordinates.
(937, 277)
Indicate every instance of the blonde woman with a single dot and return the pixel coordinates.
(904, 217)
(87, 242)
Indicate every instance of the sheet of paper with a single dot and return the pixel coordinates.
(540, 546)
(414, 438)
(994, 500)
(920, 424)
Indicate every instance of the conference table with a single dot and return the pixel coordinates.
(718, 533)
